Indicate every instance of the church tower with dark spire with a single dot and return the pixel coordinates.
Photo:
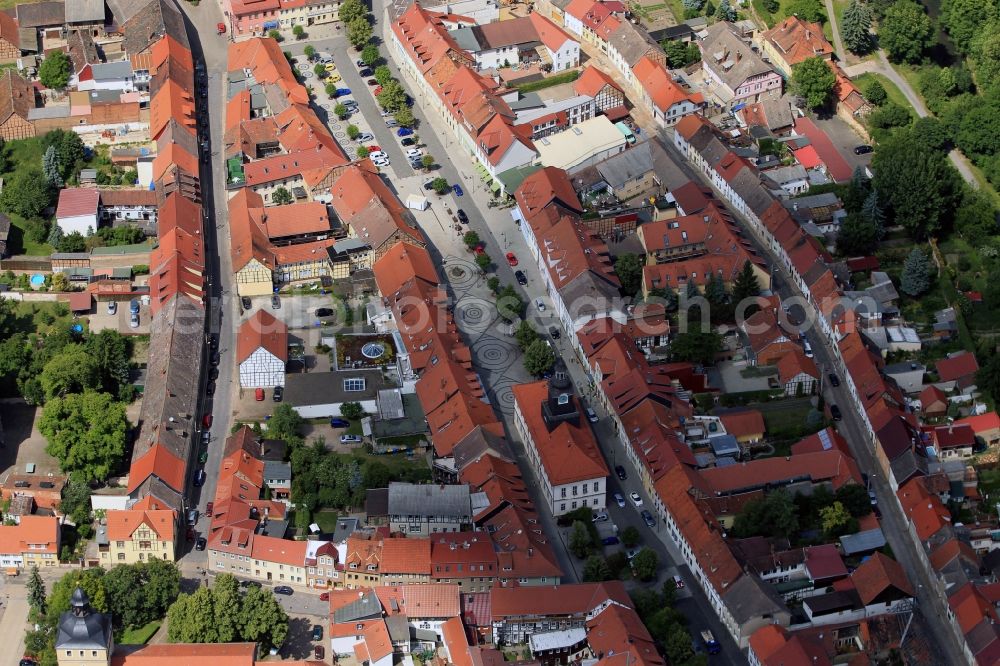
(84, 636)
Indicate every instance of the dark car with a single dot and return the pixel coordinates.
(249, 583)
(278, 394)
(554, 332)
(276, 302)
(834, 380)
(521, 278)
(365, 72)
(317, 632)
(372, 82)
(210, 389)
(200, 543)
(835, 413)
(215, 358)
(213, 341)
(647, 518)
(199, 478)
(339, 423)
(610, 541)
(27, 662)
(283, 589)
(319, 653)
(862, 150)
(408, 141)
(462, 217)
(324, 312)
(213, 374)
(245, 301)
(620, 471)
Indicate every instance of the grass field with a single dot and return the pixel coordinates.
(140, 635)
(892, 91)
(38, 317)
(326, 519)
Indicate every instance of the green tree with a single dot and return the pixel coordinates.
(888, 116)
(906, 31)
(539, 358)
(772, 515)
(916, 182)
(282, 196)
(361, 152)
(595, 570)
(285, 424)
(299, 32)
(141, 593)
(330, 89)
(976, 217)
(51, 168)
(985, 52)
(988, 376)
(856, 27)
(856, 236)
(854, 498)
(917, 275)
(875, 93)
(813, 79)
(319, 69)
(964, 18)
(628, 267)
(471, 239)
(383, 74)
(86, 434)
(509, 304)
(745, 286)
(525, 335)
(404, 116)
(392, 96)
(696, 347)
(359, 32)
(934, 131)
(275, 35)
(36, 594)
(977, 131)
(680, 54)
(725, 12)
(191, 619)
(54, 70)
(227, 606)
(310, 51)
(871, 211)
(72, 242)
(112, 352)
(645, 564)
(807, 10)
(370, 54)
(678, 646)
(834, 519)
(440, 185)
(72, 371)
(351, 10)
(26, 193)
(340, 111)
(580, 542)
(262, 619)
(352, 410)
(427, 161)
(353, 132)
(90, 581)
(630, 536)
(484, 261)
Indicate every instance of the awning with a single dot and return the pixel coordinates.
(481, 170)
(616, 113)
(739, 106)
(495, 185)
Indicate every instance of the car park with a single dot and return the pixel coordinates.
(635, 499)
(283, 589)
(521, 278)
(457, 190)
(339, 423)
(350, 439)
(619, 500)
(277, 394)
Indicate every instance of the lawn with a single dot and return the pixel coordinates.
(411, 468)
(38, 317)
(326, 519)
(892, 91)
(783, 414)
(140, 635)
(770, 19)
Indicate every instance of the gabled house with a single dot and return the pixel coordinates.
(957, 371)
(794, 40)
(262, 351)
(595, 83)
(663, 97)
(798, 374)
(733, 72)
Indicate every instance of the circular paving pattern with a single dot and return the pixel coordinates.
(492, 354)
(462, 272)
(307, 75)
(502, 397)
(340, 135)
(474, 315)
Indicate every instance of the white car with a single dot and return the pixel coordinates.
(378, 155)
(365, 136)
(619, 500)
(414, 152)
(635, 499)
(540, 305)
(381, 164)
(112, 307)
(350, 439)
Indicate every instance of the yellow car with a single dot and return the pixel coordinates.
(331, 67)
(333, 78)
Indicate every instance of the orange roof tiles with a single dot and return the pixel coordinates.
(797, 40)
(568, 452)
(971, 607)
(408, 555)
(191, 654)
(282, 551)
(957, 367)
(171, 102)
(792, 365)
(456, 641)
(924, 509)
(570, 599)
(743, 422)
(123, 524)
(402, 263)
(592, 80)
(159, 462)
(877, 573)
(295, 219)
(37, 534)
(660, 87)
(377, 644)
(262, 330)
(618, 631)
(821, 466)
(263, 59)
(433, 600)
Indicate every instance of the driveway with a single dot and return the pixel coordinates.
(13, 620)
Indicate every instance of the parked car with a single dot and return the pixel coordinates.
(206, 438)
(210, 389)
(199, 478)
(521, 278)
(339, 423)
(324, 312)
(414, 152)
(610, 541)
(208, 508)
(835, 413)
(365, 72)
(372, 82)
(407, 141)
(619, 500)
(404, 131)
(375, 152)
(258, 394)
(678, 582)
(325, 596)
(554, 333)
(245, 302)
(808, 348)
(834, 380)
(344, 91)
(213, 341)
(457, 189)
(862, 149)
(620, 472)
(206, 421)
(133, 320)
(319, 653)
(512, 259)
(631, 553)
(112, 307)
(359, 64)
(200, 543)
(133, 306)
(350, 439)
(277, 394)
(600, 517)
(647, 518)
(250, 583)
(317, 632)
(591, 415)
(330, 66)
(192, 517)
(213, 374)
(364, 136)
(283, 589)
(391, 122)
(214, 360)
(635, 499)
(462, 216)
(276, 302)
(540, 304)
(220, 28)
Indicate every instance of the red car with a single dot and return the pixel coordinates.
(220, 28)
(259, 395)
(377, 91)
(479, 249)
(206, 421)
(208, 508)
(373, 149)
(511, 259)
(325, 596)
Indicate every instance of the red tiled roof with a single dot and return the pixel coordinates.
(982, 422)
(123, 524)
(743, 422)
(791, 365)
(957, 367)
(190, 654)
(159, 462)
(456, 641)
(837, 167)
(76, 201)
(822, 466)
(406, 556)
(876, 574)
(824, 562)
(578, 598)
(931, 395)
(797, 40)
(262, 330)
(282, 551)
(30, 533)
(971, 607)
(592, 80)
(660, 87)
(924, 509)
